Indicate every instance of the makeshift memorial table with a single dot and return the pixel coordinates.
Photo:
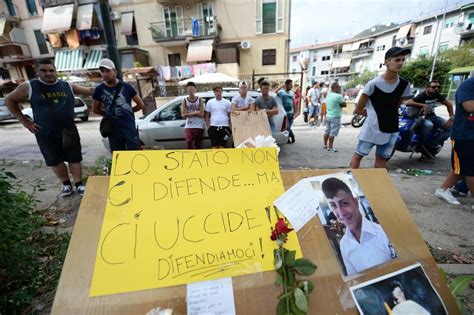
(82, 291)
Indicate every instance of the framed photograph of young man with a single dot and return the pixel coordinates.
(356, 237)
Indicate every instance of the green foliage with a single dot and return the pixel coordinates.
(462, 56)
(457, 286)
(362, 79)
(102, 167)
(418, 71)
(31, 261)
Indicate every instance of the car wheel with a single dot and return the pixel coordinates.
(86, 118)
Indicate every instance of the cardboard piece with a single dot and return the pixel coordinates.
(176, 217)
(249, 125)
(254, 293)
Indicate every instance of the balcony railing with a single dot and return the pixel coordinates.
(14, 51)
(465, 28)
(180, 29)
(362, 52)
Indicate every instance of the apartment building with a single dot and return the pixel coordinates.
(239, 37)
(352, 56)
(21, 39)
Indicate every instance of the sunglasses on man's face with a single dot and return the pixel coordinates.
(434, 86)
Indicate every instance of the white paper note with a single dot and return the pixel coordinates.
(215, 297)
(299, 204)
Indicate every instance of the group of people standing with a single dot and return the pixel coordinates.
(52, 102)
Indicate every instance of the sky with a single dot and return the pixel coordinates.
(328, 20)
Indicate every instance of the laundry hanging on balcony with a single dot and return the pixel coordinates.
(72, 38)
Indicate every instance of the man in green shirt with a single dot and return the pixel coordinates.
(335, 103)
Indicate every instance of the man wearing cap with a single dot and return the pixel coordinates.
(113, 99)
(243, 102)
(52, 102)
(380, 101)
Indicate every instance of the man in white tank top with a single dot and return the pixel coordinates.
(193, 110)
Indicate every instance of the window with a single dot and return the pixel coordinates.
(448, 23)
(132, 39)
(31, 4)
(43, 48)
(294, 58)
(313, 71)
(337, 50)
(172, 112)
(174, 23)
(269, 17)
(227, 54)
(424, 51)
(427, 29)
(325, 58)
(268, 57)
(315, 58)
(11, 7)
(206, 17)
(293, 70)
(443, 47)
(324, 72)
(174, 60)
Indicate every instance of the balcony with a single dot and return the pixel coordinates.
(465, 30)
(11, 51)
(362, 52)
(181, 30)
(405, 42)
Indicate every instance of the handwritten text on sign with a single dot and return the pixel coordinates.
(175, 217)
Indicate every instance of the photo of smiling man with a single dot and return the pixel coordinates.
(350, 224)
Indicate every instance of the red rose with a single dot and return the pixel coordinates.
(280, 228)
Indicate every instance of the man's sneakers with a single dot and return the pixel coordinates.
(81, 189)
(446, 195)
(66, 191)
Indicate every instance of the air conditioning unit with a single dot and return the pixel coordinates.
(114, 15)
(245, 45)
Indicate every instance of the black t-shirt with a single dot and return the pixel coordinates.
(429, 100)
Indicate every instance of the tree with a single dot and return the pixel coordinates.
(418, 71)
(461, 56)
(362, 79)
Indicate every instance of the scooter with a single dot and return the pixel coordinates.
(410, 119)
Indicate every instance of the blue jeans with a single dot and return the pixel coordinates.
(272, 124)
(124, 138)
(290, 118)
(433, 122)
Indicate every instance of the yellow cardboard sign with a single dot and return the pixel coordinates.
(175, 217)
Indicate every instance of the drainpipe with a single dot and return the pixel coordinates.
(109, 34)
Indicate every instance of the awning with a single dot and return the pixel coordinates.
(127, 23)
(346, 47)
(356, 45)
(57, 19)
(66, 60)
(461, 70)
(84, 16)
(341, 63)
(404, 30)
(3, 20)
(200, 50)
(93, 58)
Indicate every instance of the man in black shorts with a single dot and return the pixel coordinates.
(217, 118)
(52, 102)
(462, 138)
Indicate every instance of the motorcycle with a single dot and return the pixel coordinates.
(409, 121)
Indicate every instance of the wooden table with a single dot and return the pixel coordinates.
(254, 294)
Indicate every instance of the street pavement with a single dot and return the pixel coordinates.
(444, 226)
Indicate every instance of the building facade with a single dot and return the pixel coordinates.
(353, 56)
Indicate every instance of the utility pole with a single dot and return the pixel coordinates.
(437, 39)
(109, 33)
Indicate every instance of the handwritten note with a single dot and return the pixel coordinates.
(299, 204)
(176, 217)
(215, 297)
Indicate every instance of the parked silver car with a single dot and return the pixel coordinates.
(5, 113)
(80, 110)
(165, 126)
